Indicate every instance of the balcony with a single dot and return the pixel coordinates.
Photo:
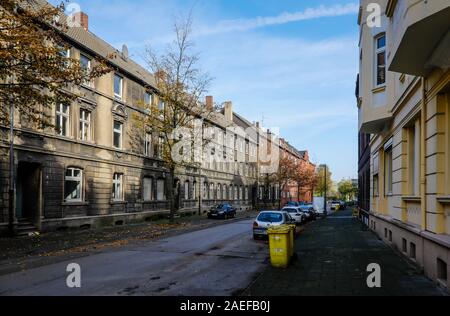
(421, 36)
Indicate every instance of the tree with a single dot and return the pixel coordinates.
(283, 175)
(35, 72)
(320, 176)
(347, 190)
(304, 176)
(178, 119)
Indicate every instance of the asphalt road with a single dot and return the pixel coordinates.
(222, 260)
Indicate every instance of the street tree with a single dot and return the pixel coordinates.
(35, 71)
(323, 185)
(179, 117)
(304, 176)
(283, 174)
(347, 190)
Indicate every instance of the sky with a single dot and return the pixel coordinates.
(288, 64)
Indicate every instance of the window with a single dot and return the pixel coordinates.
(148, 99)
(186, 190)
(211, 191)
(148, 144)
(118, 87)
(404, 245)
(442, 273)
(376, 186)
(219, 191)
(148, 189)
(414, 158)
(205, 190)
(390, 235)
(160, 147)
(62, 119)
(118, 134)
(85, 64)
(161, 105)
(73, 185)
(380, 59)
(246, 193)
(194, 190)
(160, 192)
(388, 170)
(85, 125)
(236, 193)
(412, 250)
(117, 192)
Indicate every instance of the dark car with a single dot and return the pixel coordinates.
(343, 205)
(308, 209)
(222, 211)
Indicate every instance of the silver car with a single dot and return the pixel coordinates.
(266, 219)
(296, 214)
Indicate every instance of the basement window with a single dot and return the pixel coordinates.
(442, 270)
(404, 245)
(412, 250)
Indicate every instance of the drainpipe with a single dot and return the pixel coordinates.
(423, 163)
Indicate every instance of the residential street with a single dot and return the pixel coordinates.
(216, 261)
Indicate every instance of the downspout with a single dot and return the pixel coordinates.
(423, 164)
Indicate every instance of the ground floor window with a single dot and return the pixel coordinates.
(117, 192)
(160, 193)
(148, 189)
(73, 185)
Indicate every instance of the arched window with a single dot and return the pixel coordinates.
(219, 191)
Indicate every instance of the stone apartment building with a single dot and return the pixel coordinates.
(96, 169)
(404, 104)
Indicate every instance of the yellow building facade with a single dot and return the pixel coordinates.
(404, 104)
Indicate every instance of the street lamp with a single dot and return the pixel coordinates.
(11, 168)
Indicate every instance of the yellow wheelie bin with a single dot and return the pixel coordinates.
(280, 245)
(293, 228)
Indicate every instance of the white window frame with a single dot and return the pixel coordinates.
(87, 83)
(117, 194)
(186, 190)
(118, 96)
(85, 125)
(150, 97)
(119, 132)
(61, 115)
(74, 178)
(148, 144)
(379, 50)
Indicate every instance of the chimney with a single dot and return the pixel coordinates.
(229, 111)
(210, 102)
(82, 19)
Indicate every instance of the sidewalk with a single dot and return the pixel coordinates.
(333, 255)
(22, 253)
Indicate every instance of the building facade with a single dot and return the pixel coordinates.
(95, 168)
(404, 104)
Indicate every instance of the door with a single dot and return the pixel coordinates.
(28, 190)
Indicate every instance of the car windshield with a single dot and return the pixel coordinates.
(270, 217)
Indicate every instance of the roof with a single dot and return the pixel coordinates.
(99, 47)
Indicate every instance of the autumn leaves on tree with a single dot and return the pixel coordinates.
(36, 70)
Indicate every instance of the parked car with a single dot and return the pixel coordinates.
(342, 205)
(296, 214)
(266, 219)
(335, 205)
(222, 211)
(309, 210)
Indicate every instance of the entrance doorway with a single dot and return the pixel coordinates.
(28, 191)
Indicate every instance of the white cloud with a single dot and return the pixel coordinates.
(322, 11)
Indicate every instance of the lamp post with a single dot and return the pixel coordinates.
(11, 168)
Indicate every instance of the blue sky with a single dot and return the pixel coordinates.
(291, 64)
